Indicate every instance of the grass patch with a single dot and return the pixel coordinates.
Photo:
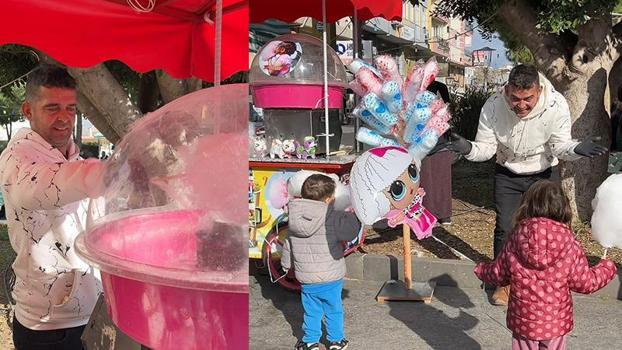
(4, 233)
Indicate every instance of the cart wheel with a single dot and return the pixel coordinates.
(272, 249)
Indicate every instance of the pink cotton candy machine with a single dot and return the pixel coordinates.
(288, 72)
(171, 246)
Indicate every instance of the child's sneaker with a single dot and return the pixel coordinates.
(342, 345)
(304, 346)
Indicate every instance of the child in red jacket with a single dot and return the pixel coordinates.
(542, 262)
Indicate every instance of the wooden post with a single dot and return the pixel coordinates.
(407, 256)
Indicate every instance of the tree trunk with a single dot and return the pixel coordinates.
(585, 96)
(171, 88)
(98, 120)
(78, 137)
(107, 97)
(148, 93)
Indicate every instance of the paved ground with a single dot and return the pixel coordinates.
(456, 319)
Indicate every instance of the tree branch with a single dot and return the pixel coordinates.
(596, 42)
(547, 49)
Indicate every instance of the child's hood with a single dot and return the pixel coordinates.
(306, 216)
(540, 242)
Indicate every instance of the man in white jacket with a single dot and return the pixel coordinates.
(527, 126)
(45, 185)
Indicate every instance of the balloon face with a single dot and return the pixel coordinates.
(403, 190)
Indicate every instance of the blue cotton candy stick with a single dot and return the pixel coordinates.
(423, 144)
(368, 118)
(378, 108)
(392, 96)
(425, 98)
(416, 123)
(373, 138)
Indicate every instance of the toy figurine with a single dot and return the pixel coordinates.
(289, 148)
(260, 147)
(276, 150)
(307, 149)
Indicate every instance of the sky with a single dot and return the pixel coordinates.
(479, 42)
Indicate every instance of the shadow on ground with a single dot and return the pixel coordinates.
(439, 330)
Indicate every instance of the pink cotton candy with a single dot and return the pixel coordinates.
(369, 81)
(389, 69)
(412, 84)
(430, 70)
(358, 88)
(436, 105)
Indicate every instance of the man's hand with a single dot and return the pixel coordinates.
(459, 144)
(589, 148)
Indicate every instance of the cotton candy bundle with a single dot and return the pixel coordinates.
(397, 111)
(606, 219)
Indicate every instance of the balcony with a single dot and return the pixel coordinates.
(439, 45)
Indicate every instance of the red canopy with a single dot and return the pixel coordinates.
(288, 10)
(174, 37)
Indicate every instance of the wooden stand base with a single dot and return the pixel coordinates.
(395, 290)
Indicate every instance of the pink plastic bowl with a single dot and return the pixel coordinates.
(296, 96)
(154, 292)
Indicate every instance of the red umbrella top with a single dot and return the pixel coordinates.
(288, 10)
(177, 36)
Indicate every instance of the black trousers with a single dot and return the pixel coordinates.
(508, 192)
(57, 339)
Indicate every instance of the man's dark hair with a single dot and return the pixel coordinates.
(524, 77)
(49, 76)
(318, 187)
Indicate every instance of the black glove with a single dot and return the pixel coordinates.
(459, 144)
(588, 148)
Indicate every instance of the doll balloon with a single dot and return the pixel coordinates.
(384, 183)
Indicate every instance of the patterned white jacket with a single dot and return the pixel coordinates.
(525, 145)
(45, 204)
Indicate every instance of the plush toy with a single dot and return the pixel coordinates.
(307, 149)
(289, 148)
(384, 183)
(276, 150)
(260, 147)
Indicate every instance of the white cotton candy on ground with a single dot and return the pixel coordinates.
(606, 219)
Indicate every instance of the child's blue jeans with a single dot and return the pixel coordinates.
(318, 301)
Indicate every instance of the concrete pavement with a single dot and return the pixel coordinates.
(457, 318)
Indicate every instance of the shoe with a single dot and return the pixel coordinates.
(501, 295)
(300, 345)
(342, 345)
(445, 221)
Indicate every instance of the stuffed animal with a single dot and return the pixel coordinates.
(307, 149)
(289, 148)
(260, 146)
(276, 150)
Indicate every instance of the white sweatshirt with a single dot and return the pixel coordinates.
(525, 145)
(44, 199)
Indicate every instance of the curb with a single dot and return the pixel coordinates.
(445, 272)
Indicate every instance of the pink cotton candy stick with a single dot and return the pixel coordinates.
(358, 89)
(412, 84)
(436, 105)
(430, 70)
(369, 81)
(389, 69)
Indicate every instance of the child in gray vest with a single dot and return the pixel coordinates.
(314, 249)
